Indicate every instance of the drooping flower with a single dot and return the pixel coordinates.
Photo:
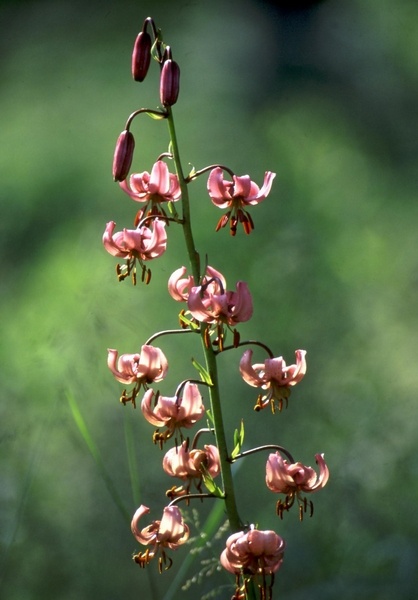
(143, 243)
(211, 303)
(173, 412)
(148, 366)
(293, 479)
(273, 376)
(186, 463)
(254, 554)
(171, 532)
(237, 195)
(179, 286)
(153, 189)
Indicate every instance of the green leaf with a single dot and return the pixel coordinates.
(238, 440)
(188, 322)
(204, 375)
(210, 484)
(156, 116)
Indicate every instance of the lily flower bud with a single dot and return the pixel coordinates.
(141, 56)
(122, 158)
(169, 83)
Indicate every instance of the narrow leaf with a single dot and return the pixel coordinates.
(204, 375)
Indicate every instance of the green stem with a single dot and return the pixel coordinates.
(210, 356)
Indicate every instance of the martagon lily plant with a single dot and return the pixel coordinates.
(212, 311)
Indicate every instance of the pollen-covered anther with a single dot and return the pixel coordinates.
(176, 491)
(131, 397)
(143, 558)
(285, 505)
(245, 219)
(223, 221)
(160, 438)
(164, 562)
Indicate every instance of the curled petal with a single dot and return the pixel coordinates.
(277, 477)
(256, 196)
(122, 368)
(178, 285)
(139, 535)
(109, 243)
(219, 190)
(248, 373)
(149, 413)
(241, 304)
(323, 472)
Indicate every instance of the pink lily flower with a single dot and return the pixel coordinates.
(210, 303)
(283, 477)
(173, 412)
(185, 464)
(171, 532)
(142, 243)
(179, 286)
(273, 376)
(236, 195)
(150, 365)
(153, 188)
(255, 552)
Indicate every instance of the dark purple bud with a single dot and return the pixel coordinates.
(141, 56)
(122, 158)
(169, 83)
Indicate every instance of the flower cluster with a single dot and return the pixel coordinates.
(210, 312)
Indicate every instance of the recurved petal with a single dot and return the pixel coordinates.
(219, 190)
(242, 302)
(122, 367)
(178, 285)
(249, 375)
(264, 191)
(294, 373)
(152, 417)
(109, 243)
(140, 512)
(198, 307)
(323, 472)
(157, 243)
(277, 477)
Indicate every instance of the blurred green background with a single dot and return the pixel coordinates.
(325, 95)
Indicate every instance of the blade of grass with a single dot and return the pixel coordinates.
(94, 451)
